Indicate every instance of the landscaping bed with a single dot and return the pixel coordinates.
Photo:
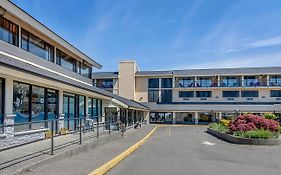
(248, 129)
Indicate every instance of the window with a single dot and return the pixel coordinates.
(230, 94)
(1, 101)
(153, 83)
(85, 70)
(153, 95)
(105, 83)
(204, 82)
(161, 117)
(189, 94)
(185, 82)
(166, 82)
(81, 106)
(36, 46)
(21, 102)
(275, 93)
(249, 93)
(9, 32)
(230, 81)
(52, 101)
(166, 96)
(275, 80)
(37, 104)
(203, 94)
(66, 61)
(251, 81)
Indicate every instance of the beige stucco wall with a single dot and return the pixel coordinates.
(141, 89)
(127, 70)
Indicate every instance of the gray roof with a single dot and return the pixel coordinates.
(200, 72)
(215, 71)
(15, 64)
(98, 75)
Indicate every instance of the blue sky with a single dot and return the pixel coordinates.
(167, 34)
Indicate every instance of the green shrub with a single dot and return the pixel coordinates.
(257, 134)
(219, 127)
(270, 115)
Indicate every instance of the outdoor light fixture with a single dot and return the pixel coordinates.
(237, 111)
(2, 11)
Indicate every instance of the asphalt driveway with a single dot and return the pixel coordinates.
(189, 150)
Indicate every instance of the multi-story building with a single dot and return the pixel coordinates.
(199, 96)
(42, 76)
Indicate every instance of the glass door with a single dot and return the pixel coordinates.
(69, 111)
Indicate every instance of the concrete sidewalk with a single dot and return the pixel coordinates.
(11, 161)
(89, 160)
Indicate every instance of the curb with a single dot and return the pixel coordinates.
(243, 141)
(113, 162)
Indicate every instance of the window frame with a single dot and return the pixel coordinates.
(12, 25)
(183, 92)
(151, 79)
(155, 94)
(232, 96)
(272, 94)
(247, 96)
(209, 94)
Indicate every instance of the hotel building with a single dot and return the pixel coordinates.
(43, 77)
(196, 96)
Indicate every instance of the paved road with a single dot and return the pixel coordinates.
(180, 150)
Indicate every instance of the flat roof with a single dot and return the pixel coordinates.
(24, 16)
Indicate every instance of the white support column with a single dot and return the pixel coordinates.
(55, 55)
(195, 81)
(267, 80)
(9, 116)
(219, 81)
(242, 80)
(60, 101)
(87, 109)
(8, 96)
(196, 117)
(174, 82)
(19, 36)
(174, 118)
(160, 82)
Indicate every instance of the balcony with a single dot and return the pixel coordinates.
(255, 81)
(190, 82)
(230, 81)
(275, 80)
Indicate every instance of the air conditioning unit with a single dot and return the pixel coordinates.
(185, 98)
(249, 99)
(230, 99)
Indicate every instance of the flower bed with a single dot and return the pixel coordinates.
(249, 126)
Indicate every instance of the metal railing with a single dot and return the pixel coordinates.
(80, 125)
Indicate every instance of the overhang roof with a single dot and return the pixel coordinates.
(28, 68)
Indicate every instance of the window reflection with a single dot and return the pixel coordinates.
(36, 46)
(9, 32)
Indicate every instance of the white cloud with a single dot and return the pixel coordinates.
(266, 42)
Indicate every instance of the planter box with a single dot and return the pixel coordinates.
(244, 141)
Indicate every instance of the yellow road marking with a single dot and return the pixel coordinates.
(110, 164)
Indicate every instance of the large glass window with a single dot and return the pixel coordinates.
(230, 81)
(37, 103)
(249, 93)
(81, 106)
(105, 83)
(166, 82)
(185, 82)
(275, 80)
(189, 94)
(166, 96)
(36, 46)
(66, 61)
(1, 101)
(153, 83)
(204, 94)
(161, 117)
(52, 101)
(251, 81)
(21, 102)
(84, 70)
(204, 82)
(275, 93)
(230, 94)
(153, 95)
(9, 31)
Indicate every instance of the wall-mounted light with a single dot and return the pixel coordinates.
(2, 11)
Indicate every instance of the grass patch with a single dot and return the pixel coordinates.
(257, 134)
(219, 127)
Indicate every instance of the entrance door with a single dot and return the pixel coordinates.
(69, 111)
